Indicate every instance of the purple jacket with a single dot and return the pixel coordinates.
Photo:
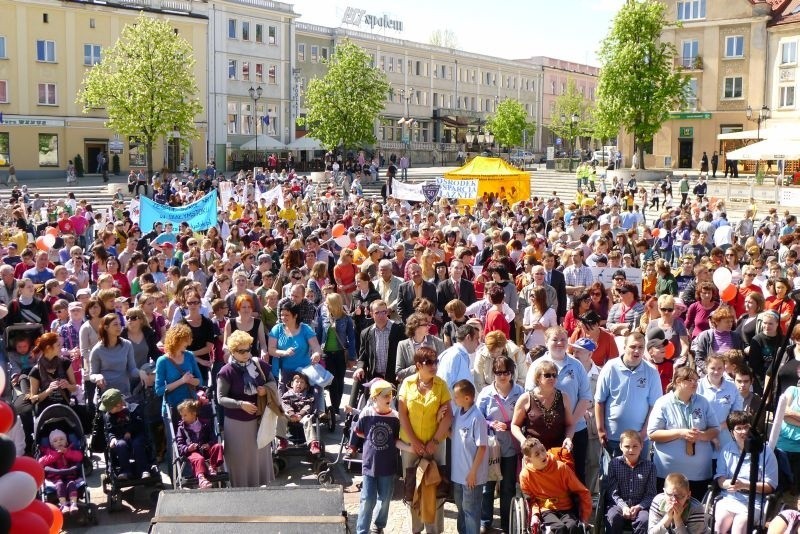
(185, 436)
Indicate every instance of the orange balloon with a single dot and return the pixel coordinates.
(729, 293)
(338, 230)
(40, 244)
(58, 519)
(655, 232)
(669, 350)
(53, 231)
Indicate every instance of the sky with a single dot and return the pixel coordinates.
(511, 29)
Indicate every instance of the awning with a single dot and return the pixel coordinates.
(305, 143)
(263, 142)
(765, 133)
(768, 149)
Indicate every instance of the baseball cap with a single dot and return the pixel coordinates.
(85, 291)
(604, 219)
(656, 343)
(373, 248)
(109, 399)
(75, 306)
(590, 318)
(378, 387)
(584, 343)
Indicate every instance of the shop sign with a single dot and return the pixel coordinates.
(690, 115)
(686, 132)
(359, 17)
(29, 121)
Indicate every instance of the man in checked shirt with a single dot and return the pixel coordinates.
(631, 487)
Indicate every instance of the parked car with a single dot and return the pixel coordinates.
(523, 157)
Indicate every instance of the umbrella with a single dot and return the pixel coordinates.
(305, 143)
(768, 149)
(264, 142)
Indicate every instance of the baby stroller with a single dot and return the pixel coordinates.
(62, 417)
(114, 487)
(181, 471)
(20, 365)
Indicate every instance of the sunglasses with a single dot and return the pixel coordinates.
(622, 291)
(667, 309)
(431, 363)
(549, 375)
(131, 318)
(502, 373)
(193, 303)
(295, 278)
(242, 351)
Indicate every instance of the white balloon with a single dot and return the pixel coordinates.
(343, 240)
(49, 241)
(2, 380)
(17, 490)
(722, 278)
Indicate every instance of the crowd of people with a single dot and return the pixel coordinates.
(500, 344)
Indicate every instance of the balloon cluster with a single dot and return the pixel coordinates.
(723, 279)
(20, 478)
(45, 242)
(340, 236)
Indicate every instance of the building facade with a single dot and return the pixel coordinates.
(722, 47)
(46, 47)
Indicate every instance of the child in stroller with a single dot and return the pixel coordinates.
(62, 467)
(197, 443)
(299, 404)
(20, 362)
(126, 436)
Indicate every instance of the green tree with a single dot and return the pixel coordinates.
(638, 84)
(571, 103)
(509, 122)
(344, 104)
(146, 84)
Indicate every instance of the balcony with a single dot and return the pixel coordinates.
(689, 63)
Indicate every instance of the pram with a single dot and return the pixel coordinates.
(64, 418)
(14, 366)
(181, 471)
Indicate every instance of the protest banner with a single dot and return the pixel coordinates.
(276, 193)
(200, 215)
(404, 191)
(466, 189)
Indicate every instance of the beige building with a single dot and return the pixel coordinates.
(46, 46)
(722, 47)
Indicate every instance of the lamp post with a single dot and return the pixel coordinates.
(406, 120)
(482, 138)
(763, 115)
(255, 94)
(573, 124)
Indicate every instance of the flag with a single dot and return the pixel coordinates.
(276, 193)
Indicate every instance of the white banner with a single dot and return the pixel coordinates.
(133, 207)
(276, 193)
(457, 188)
(404, 191)
(606, 275)
(225, 193)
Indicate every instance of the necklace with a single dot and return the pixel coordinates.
(548, 414)
(425, 385)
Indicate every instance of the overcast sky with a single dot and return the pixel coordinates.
(512, 29)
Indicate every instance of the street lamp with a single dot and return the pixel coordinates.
(573, 125)
(406, 119)
(481, 137)
(763, 115)
(255, 94)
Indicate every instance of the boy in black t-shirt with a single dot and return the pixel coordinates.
(379, 425)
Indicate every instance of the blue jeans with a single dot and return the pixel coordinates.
(468, 502)
(508, 468)
(374, 489)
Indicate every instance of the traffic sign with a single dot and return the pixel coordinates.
(558, 141)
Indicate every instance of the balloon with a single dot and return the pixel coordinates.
(41, 509)
(58, 519)
(23, 522)
(729, 293)
(722, 278)
(49, 240)
(17, 490)
(656, 232)
(669, 350)
(40, 243)
(338, 230)
(26, 464)
(5, 520)
(2, 380)
(8, 451)
(53, 231)
(6, 417)
(343, 241)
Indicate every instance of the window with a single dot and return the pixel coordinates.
(91, 23)
(259, 33)
(233, 118)
(47, 94)
(91, 54)
(787, 96)
(323, 53)
(691, 94)
(272, 74)
(435, 71)
(259, 72)
(789, 52)
(231, 28)
(48, 150)
(247, 119)
(382, 65)
(733, 87)
(314, 53)
(691, 9)
(46, 51)
(2, 47)
(231, 69)
(273, 35)
(301, 51)
(5, 149)
(245, 31)
(3, 91)
(552, 88)
(734, 46)
(690, 51)
(418, 70)
(246, 71)
(400, 65)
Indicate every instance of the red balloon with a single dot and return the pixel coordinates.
(669, 350)
(53, 231)
(26, 464)
(58, 519)
(24, 522)
(41, 509)
(655, 232)
(729, 293)
(6, 417)
(338, 230)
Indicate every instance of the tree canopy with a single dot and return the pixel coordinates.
(572, 102)
(146, 84)
(344, 104)
(445, 38)
(638, 84)
(509, 122)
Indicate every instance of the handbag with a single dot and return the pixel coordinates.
(181, 372)
(493, 447)
(318, 375)
(261, 400)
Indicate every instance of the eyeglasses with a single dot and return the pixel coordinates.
(675, 496)
(131, 318)
(193, 303)
(502, 373)
(431, 363)
(549, 375)
(242, 351)
(384, 312)
(665, 310)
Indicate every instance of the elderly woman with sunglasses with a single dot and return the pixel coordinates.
(419, 400)
(626, 314)
(417, 332)
(672, 326)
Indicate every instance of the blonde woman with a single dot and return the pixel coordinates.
(337, 337)
(429, 264)
(497, 345)
(317, 279)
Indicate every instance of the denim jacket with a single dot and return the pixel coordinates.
(345, 331)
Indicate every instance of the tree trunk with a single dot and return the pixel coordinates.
(640, 152)
(149, 147)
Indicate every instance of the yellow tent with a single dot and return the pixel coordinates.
(495, 176)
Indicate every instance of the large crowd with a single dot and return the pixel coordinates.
(491, 345)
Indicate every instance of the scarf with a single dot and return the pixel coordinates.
(249, 375)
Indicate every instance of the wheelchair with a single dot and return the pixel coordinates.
(520, 521)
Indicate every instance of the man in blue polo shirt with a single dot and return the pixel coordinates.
(40, 272)
(454, 362)
(627, 389)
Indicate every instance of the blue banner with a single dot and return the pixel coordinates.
(200, 215)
